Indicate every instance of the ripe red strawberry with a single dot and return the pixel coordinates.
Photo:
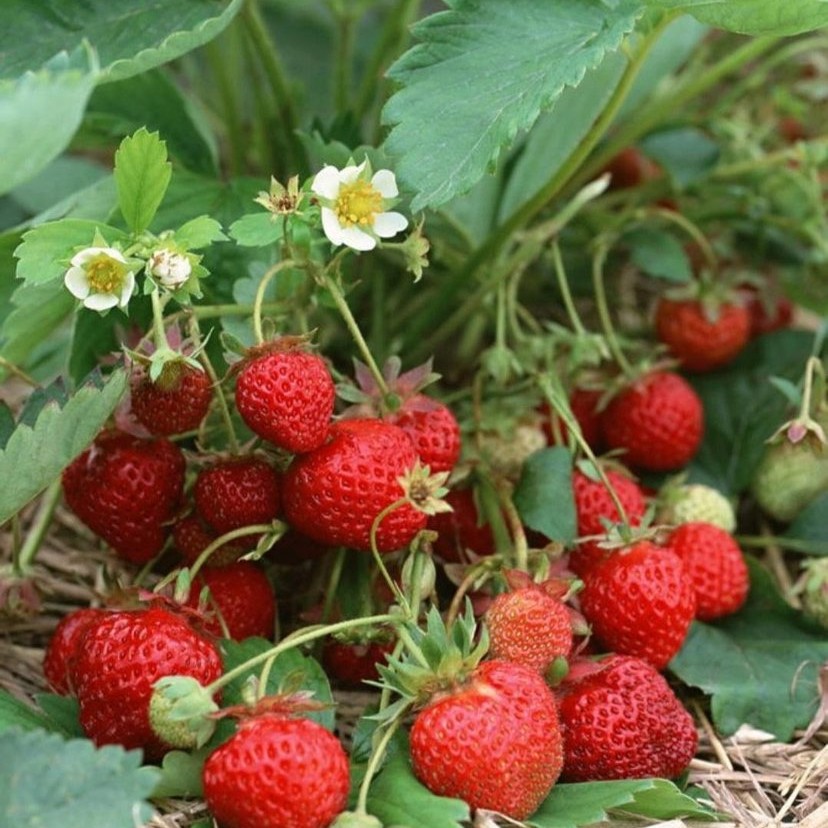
(126, 489)
(658, 421)
(460, 530)
(621, 720)
(350, 663)
(286, 396)
(493, 741)
(62, 649)
(243, 596)
(122, 657)
(176, 402)
(702, 341)
(592, 503)
(768, 310)
(335, 493)
(433, 429)
(629, 168)
(236, 492)
(640, 602)
(529, 627)
(584, 405)
(277, 771)
(191, 537)
(714, 563)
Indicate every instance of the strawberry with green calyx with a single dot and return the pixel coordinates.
(181, 712)
(503, 710)
(336, 493)
(285, 394)
(278, 768)
(640, 601)
(529, 625)
(429, 423)
(63, 647)
(794, 468)
(704, 325)
(679, 502)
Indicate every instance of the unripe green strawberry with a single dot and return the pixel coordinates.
(790, 475)
(506, 453)
(815, 594)
(695, 502)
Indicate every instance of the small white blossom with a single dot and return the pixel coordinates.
(101, 278)
(171, 269)
(354, 206)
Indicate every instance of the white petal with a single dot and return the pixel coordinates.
(350, 174)
(76, 283)
(86, 254)
(100, 301)
(386, 183)
(389, 224)
(326, 182)
(358, 239)
(331, 226)
(126, 291)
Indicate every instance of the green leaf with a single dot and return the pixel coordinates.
(61, 179)
(142, 174)
(754, 17)
(35, 456)
(760, 666)
(548, 144)
(585, 803)
(130, 36)
(686, 154)
(543, 495)
(398, 798)
(181, 774)
(16, 713)
(257, 230)
(511, 61)
(62, 713)
(71, 783)
(659, 254)
(7, 423)
(742, 409)
(40, 112)
(811, 525)
(199, 232)
(291, 671)
(45, 252)
(152, 100)
(37, 314)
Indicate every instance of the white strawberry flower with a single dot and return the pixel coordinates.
(354, 205)
(170, 268)
(101, 278)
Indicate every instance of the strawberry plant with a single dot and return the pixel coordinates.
(464, 362)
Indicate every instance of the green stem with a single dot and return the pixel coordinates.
(377, 755)
(224, 409)
(792, 544)
(302, 636)
(657, 112)
(215, 311)
(333, 582)
(519, 545)
(158, 330)
(603, 310)
(688, 227)
(233, 534)
(566, 294)
(260, 36)
(356, 333)
(395, 590)
(37, 531)
(258, 302)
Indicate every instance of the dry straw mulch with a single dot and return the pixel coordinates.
(756, 781)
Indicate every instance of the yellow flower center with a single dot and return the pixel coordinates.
(358, 203)
(105, 274)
